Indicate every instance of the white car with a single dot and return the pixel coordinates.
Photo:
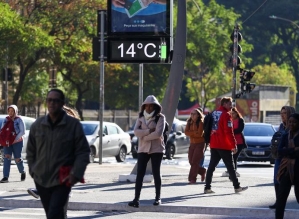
(116, 142)
(28, 122)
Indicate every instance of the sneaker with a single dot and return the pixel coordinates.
(208, 191)
(241, 189)
(134, 204)
(4, 180)
(23, 176)
(237, 174)
(225, 174)
(33, 192)
(157, 202)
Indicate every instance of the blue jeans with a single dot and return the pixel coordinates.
(15, 150)
(276, 167)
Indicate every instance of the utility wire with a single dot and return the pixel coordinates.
(254, 12)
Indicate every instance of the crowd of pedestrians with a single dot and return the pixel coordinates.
(59, 136)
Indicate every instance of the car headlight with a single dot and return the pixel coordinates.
(134, 139)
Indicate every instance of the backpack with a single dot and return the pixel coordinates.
(274, 144)
(165, 137)
(8, 133)
(207, 127)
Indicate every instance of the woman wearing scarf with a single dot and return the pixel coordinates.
(151, 146)
(285, 113)
(288, 173)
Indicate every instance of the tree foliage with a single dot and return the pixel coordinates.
(208, 54)
(274, 40)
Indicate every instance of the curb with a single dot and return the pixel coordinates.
(87, 206)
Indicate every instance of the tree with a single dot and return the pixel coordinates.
(275, 75)
(274, 41)
(24, 44)
(208, 52)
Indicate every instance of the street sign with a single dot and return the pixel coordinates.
(139, 50)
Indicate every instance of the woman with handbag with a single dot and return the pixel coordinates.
(12, 145)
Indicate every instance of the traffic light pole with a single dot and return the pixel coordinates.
(235, 64)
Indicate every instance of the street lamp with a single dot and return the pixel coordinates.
(284, 19)
(290, 21)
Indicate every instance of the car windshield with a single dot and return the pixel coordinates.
(89, 129)
(258, 130)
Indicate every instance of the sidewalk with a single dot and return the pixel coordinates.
(103, 192)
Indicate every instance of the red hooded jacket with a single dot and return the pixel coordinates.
(222, 135)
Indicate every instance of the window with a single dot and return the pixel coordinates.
(112, 130)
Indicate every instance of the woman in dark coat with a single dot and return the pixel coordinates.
(288, 173)
(285, 113)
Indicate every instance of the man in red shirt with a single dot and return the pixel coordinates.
(223, 145)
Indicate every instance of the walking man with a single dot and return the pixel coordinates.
(57, 155)
(223, 145)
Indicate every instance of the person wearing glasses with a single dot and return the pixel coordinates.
(194, 129)
(33, 191)
(16, 147)
(57, 155)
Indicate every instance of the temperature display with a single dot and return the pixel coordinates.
(138, 50)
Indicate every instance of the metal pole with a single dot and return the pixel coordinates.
(6, 79)
(284, 19)
(140, 84)
(235, 64)
(101, 108)
(140, 101)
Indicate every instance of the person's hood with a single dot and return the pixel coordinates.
(151, 99)
(14, 107)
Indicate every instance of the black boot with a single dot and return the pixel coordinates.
(276, 186)
(134, 203)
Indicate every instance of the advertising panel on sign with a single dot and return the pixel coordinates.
(139, 17)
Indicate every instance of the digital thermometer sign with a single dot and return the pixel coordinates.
(138, 50)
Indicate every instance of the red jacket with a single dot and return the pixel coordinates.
(222, 135)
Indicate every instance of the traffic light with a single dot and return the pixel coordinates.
(246, 75)
(235, 48)
(249, 87)
(9, 74)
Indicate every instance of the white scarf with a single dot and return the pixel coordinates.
(148, 116)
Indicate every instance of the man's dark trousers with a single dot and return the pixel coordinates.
(54, 200)
(227, 157)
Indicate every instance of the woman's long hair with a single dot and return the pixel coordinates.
(289, 110)
(234, 109)
(199, 118)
